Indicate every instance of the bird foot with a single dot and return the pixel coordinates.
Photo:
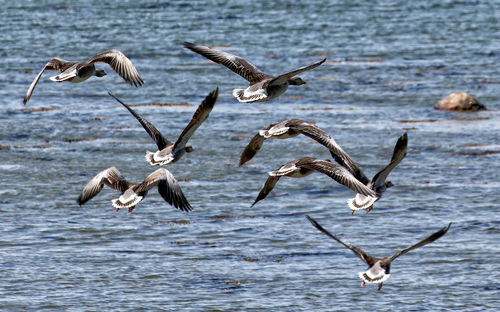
(117, 209)
(352, 212)
(131, 208)
(363, 284)
(369, 209)
(380, 286)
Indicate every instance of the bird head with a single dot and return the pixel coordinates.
(189, 149)
(100, 73)
(296, 81)
(388, 184)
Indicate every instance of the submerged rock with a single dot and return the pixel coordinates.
(459, 101)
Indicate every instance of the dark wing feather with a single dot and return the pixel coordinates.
(397, 156)
(199, 116)
(360, 253)
(339, 174)
(267, 188)
(54, 64)
(425, 241)
(336, 151)
(253, 146)
(168, 187)
(233, 62)
(111, 177)
(154, 133)
(120, 64)
(283, 78)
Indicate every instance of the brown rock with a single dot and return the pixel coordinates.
(459, 101)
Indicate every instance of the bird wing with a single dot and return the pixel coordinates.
(336, 151)
(253, 146)
(339, 174)
(199, 116)
(111, 177)
(154, 133)
(54, 64)
(360, 253)
(266, 189)
(168, 188)
(425, 241)
(120, 64)
(398, 154)
(283, 78)
(233, 62)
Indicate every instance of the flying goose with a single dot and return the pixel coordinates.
(78, 72)
(133, 193)
(379, 183)
(262, 87)
(169, 152)
(302, 167)
(379, 268)
(292, 127)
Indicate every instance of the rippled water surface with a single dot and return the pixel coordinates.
(388, 63)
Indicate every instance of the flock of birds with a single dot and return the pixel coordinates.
(262, 87)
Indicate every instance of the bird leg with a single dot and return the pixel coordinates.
(363, 284)
(131, 208)
(352, 212)
(369, 209)
(117, 209)
(380, 286)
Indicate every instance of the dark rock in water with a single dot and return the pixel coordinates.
(459, 101)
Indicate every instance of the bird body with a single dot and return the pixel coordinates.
(262, 87)
(379, 268)
(305, 166)
(77, 72)
(169, 152)
(379, 183)
(133, 193)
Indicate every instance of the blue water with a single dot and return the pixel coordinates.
(388, 63)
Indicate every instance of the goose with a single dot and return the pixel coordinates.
(379, 183)
(262, 87)
(78, 72)
(379, 268)
(133, 193)
(304, 166)
(289, 128)
(169, 152)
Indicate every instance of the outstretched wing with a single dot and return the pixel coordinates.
(360, 253)
(397, 156)
(283, 78)
(111, 177)
(339, 174)
(154, 133)
(233, 62)
(199, 116)
(54, 64)
(266, 189)
(253, 146)
(168, 188)
(425, 241)
(336, 151)
(120, 64)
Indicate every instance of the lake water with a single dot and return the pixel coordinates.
(388, 63)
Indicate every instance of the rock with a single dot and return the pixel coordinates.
(461, 102)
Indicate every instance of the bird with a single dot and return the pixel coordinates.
(169, 152)
(379, 183)
(133, 193)
(379, 268)
(304, 166)
(78, 72)
(289, 128)
(262, 87)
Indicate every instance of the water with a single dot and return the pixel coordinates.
(387, 62)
